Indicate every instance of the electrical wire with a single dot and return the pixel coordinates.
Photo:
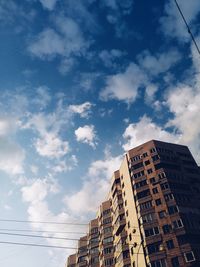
(43, 222)
(40, 231)
(39, 236)
(188, 27)
(34, 245)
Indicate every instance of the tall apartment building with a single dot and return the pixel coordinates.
(152, 214)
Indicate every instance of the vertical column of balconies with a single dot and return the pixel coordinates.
(106, 235)
(72, 260)
(93, 243)
(122, 253)
(82, 254)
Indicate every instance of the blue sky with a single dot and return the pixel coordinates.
(81, 82)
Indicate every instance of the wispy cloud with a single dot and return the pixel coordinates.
(84, 110)
(48, 4)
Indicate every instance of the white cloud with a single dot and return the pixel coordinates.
(150, 92)
(118, 7)
(51, 146)
(109, 58)
(11, 157)
(42, 97)
(144, 130)
(159, 63)
(86, 134)
(35, 194)
(7, 207)
(84, 110)
(11, 154)
(183, 102)
(48, 4)
(66, 41)
(95, 188)
(65, 165)
(172, 24)
(38, 190)
(124, 86)
(34, 169)
(47, 45)
(66, 65)
(8, 126)
(48, 127)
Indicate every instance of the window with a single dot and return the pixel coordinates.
(153, 150)
(170, 244)
(107, 220)
(164, 186)
(161, 175)
(140, 184)
(135, 158)
(148, 217)
(108, 250)
(108, 240)
(108, 262)
(81, 259)
(129, 224)
(138, 174)
(107, 230)
(147, 162)
(94, 240)
(105, 212)
(137, 166)
(146, 205)
(162, 214)
(143, 194)
(149, 171)
(94, 250)
(152, 180)
(175, 262)
(130, 237)
(189, 256)
(166, 228)
(158, 202)
(169, 197)
(145, 155)
(125, 203)
(177, 224)
(151, 231)
(155, 190)
(153, 248)
(156, 157)
(172, 209)
(82, 249)
(94, 230)
(94, 260)
(127, 213)
(158, 263)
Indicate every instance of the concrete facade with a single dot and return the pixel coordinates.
(152, 214)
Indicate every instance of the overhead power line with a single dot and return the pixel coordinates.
(33, 245)
(40, 231)
(43, 222)
(39, 236)
(188, 27)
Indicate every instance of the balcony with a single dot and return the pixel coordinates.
(119, 226)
